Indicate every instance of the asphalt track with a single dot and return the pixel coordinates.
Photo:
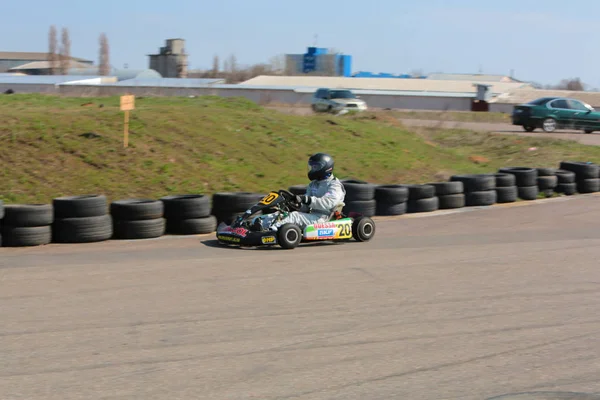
(467, 305)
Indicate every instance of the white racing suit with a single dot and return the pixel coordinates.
(325, 196)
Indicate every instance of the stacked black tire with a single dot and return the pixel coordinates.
(81, 219)
(422, 198)
(26, 224)
(526, 180)
(506, 188)
(188, 214)
(360, 198)
(567, 182)
(391, 199)
(137, 219)
(587, 175)
(298, 189)
(479, 189)
(547, 181)
(450, 194)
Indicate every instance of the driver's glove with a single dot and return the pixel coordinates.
(304, 199)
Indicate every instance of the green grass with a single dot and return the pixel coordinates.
(53, 146)
(458, 116)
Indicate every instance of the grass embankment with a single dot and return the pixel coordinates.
(51, 146)
(455, 116)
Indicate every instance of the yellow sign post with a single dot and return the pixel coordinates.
(127, 104)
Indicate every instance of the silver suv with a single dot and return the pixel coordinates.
(336, 100)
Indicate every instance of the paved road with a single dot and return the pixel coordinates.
(459, 306)
(508, 129)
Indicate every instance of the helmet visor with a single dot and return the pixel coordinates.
(314, 166)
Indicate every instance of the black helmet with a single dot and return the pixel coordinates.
(320, 166)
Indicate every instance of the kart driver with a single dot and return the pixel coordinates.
(323, 194)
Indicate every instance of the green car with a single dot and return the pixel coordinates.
(552, 113)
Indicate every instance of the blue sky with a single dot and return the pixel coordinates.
(541, 41)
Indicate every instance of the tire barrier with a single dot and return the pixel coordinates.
(88, 218)
(450, 194)
(137, 219)
(422, 198)
(360, 197)
(526, 181)
(587, 175)
(391, 200)
(81, 219)
(190, 214)
(506, 188)
(27, 225)
(479, 189)
(547, 181)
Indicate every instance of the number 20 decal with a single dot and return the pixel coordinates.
(268, 199)
(345, 230)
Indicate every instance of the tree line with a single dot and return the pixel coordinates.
(60, 59)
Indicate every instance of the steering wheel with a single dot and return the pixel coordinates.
(291, 199)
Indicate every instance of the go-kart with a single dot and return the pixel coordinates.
(244, 231)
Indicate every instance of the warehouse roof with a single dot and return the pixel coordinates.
(30, 56)
(395, 84)
(521, 96)
(46, 65)
(41, 79)
(472, 77)
(169, 82)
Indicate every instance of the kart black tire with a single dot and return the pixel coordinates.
(588, 185)
(568, 189)
(357, 190)
(448, 188)
(140, 229)
(1, 209)
(528, 192)
(363, 229)
(475, 182)
(19, 236)
(28, 215)
(565, 176)
(298, 189)
(82, 230)
(423, 205)
(418, 192)
(386, 209)
(391, 194)
(195, 226)
(450, 201)
(505, 180)
(136, 209)
(481, 199)
(289, 236)
(524, 176)
(87, 205)
(546, 172)
(581, 169)
(186, 206)
(545, 183)
(508, 194)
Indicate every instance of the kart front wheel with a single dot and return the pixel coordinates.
(289, 236)
(363, 229)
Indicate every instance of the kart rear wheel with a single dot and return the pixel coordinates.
(363, 229)
(289, 236)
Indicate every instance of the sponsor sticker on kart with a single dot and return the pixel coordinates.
(236, 231)
(268, 239)
(228, 238)
(323, 233)
(325, 225)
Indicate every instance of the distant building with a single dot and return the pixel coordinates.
(318, 62)
(12, 60)
(172, 60)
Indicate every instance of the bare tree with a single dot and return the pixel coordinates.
(65, 51)
(570, 84)
(52, 46)
(104, 63)
(215, 67)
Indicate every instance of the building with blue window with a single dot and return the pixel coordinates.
(318, 61)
